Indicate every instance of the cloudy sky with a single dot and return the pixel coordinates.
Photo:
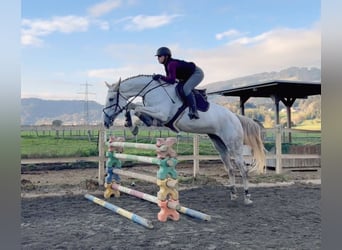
(69, 45)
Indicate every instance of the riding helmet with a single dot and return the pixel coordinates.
(163, 51)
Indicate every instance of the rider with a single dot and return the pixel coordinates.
(186, 73)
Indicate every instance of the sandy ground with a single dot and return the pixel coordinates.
(285, 213)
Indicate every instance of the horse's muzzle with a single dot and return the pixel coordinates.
(107, 123)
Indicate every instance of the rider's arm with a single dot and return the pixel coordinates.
(171, 77)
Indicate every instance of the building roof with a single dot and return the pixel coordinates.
(279, 88)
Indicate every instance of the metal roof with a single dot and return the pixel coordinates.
(279, 88)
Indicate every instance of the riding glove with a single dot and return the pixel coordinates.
(156, 77)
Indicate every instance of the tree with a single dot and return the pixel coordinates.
(57, 123)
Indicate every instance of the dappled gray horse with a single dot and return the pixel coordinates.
(162, 105)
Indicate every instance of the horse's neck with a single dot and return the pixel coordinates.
(137, 86)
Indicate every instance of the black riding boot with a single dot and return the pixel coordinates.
(192, 106)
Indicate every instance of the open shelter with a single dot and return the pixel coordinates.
(278, 90)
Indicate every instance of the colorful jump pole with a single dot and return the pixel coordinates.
(145, 159)
(134, 217)
(135, 175)
(132, 145)
(154, 199)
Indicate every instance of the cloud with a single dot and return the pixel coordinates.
(113, 74)
(273, 50)
(32, 30)
(142, 22)
(228, 33)
(104, 7)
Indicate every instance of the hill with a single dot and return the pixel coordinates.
(36, 111)
(291, 74)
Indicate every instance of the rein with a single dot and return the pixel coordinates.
(118, 109)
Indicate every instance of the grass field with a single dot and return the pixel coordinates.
(310, 125)
(51, 144)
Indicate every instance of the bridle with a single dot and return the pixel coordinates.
(118, 109)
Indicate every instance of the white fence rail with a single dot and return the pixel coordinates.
(276, 159)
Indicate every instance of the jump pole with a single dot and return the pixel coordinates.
(134, 217)
(154, 199)
(170, 183)
(132, 145)
(145, 159)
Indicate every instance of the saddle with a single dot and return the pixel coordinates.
(201, 103)
(200, 96)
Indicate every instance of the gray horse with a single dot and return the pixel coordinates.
(228, 132)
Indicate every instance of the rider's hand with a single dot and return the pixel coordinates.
(156, 77)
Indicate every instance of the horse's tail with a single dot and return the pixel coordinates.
(252, 138)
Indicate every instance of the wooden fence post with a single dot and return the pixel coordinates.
(101, 156)
(196, 154)
(278, 149)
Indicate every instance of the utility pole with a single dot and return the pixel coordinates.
(86, 94)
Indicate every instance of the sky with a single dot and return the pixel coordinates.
(70, 48)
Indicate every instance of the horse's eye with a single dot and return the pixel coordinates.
(111, 99)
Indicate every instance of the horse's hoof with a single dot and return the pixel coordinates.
(233, 197)
(135, 130)
(248, 200)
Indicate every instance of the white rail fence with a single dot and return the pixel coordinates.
(274, 159)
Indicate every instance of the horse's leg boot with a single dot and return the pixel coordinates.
(128, 120)
(148, 120)
(193, 114)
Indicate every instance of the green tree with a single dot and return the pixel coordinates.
(57, 123)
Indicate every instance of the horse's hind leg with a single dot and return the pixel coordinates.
(229, 167)
(244, 174)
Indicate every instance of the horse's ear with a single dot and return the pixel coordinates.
(107, 84)
(117, 85)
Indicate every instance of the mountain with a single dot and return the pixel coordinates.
(36, 111)
(73, 112)
(291, 74)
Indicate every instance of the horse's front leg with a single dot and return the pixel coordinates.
(150, 116)
(128, 123)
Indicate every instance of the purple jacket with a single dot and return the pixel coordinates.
(178, 70)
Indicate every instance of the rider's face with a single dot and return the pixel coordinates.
(161, 59)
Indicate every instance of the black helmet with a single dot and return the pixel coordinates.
(163, 51)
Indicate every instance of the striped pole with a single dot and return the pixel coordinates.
(169, 183)
(135, 175)
(134, 217)
(154, 199)
(137, 158)
(132, 145)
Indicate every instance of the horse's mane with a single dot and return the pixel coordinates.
(132, 77)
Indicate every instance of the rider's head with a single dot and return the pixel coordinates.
(163, 54)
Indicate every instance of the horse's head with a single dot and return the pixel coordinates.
(115, 104)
